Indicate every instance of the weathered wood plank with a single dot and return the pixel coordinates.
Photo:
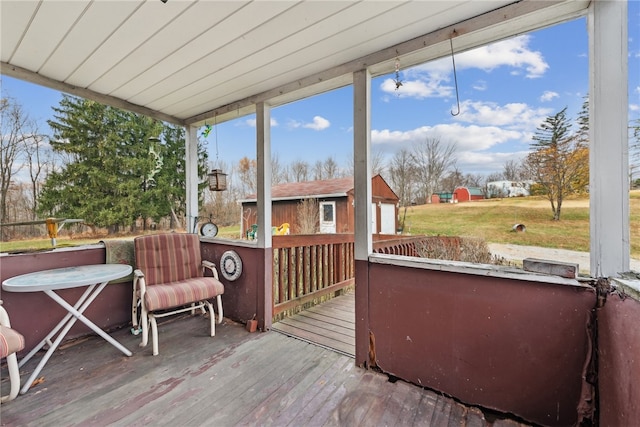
(340, 313)
(332, 320)
(402, 406)
(563, 269)
(305, 404)
(345, 348)
(324, 329)
(279, 401)
(233, 379)
(330, 393)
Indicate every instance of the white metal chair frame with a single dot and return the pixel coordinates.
(12, 362)
(146, 317)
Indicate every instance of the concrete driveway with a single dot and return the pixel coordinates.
(517, 253)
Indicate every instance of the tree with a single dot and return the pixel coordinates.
(116, 172)
(169, 174)
(402, 173)
(248, 170)
(15, 133)
(330, 168)
(559, 161)
(308, 216)
(452, 180)
(318, 170)
(299, 171)
(634, 148)
(431, 160)
(279, 172)
(39, 162)
(378, 166)
(512, 171)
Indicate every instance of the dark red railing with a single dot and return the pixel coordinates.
(309, 267)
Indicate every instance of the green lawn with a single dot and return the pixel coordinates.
(492, 220)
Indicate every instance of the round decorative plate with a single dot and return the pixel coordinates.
(230, 265)
(209, 229)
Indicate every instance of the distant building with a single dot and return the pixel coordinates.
(508, 189)
(467, 194)
(442, 197)
(460, 194)
(336, 204)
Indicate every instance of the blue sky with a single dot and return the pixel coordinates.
(506, 90)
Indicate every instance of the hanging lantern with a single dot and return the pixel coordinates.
(217, 180)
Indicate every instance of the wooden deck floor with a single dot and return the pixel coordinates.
(233, 379)
(331, 325)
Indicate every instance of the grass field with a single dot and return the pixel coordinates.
(491, 220)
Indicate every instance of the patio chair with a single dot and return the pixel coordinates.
(169, 279)
(10, 343)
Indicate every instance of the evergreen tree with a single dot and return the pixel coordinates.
(559, 160)
(116, 172)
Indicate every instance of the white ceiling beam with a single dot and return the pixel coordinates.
(30, 76)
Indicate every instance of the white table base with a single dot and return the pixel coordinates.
(73, 313)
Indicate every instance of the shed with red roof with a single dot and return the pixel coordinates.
(335, 206)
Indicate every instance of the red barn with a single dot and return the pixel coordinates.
(467, 194)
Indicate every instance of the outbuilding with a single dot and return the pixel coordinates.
(467, 194)
(335, 198)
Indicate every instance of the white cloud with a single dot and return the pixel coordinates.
(548, 95)
(475, 145)
(465, 137)
(634, 107)
(478, 132)
(476, 137)
(514, 116)
(514, 53)
(483, 162)
(480, 85)
(431, 87)
(430, 79)
(252, 122)
(319, 123)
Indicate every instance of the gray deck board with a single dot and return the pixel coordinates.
(331, 324)
(233, 379)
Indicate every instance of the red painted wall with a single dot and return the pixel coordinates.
(245, 297)
(514, 346)
(619, 361)
(35, 314)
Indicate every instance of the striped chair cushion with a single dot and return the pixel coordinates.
(10, 341)
(163, 296)
(165, 258)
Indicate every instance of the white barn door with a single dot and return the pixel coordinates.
(387, 218)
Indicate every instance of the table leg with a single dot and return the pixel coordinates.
(54, 331)
(74, 313)
(77, 314)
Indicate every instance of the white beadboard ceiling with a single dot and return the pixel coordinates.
(185, 61)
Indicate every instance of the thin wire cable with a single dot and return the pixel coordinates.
(215, 124)
(455, 79)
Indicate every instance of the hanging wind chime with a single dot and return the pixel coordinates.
(397, 80)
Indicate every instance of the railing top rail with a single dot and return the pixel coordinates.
(297, 240)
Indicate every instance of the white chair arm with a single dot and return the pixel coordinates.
(4, 317)
(139, 283)
(211, 266)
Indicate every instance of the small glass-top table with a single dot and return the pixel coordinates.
(95, 277)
